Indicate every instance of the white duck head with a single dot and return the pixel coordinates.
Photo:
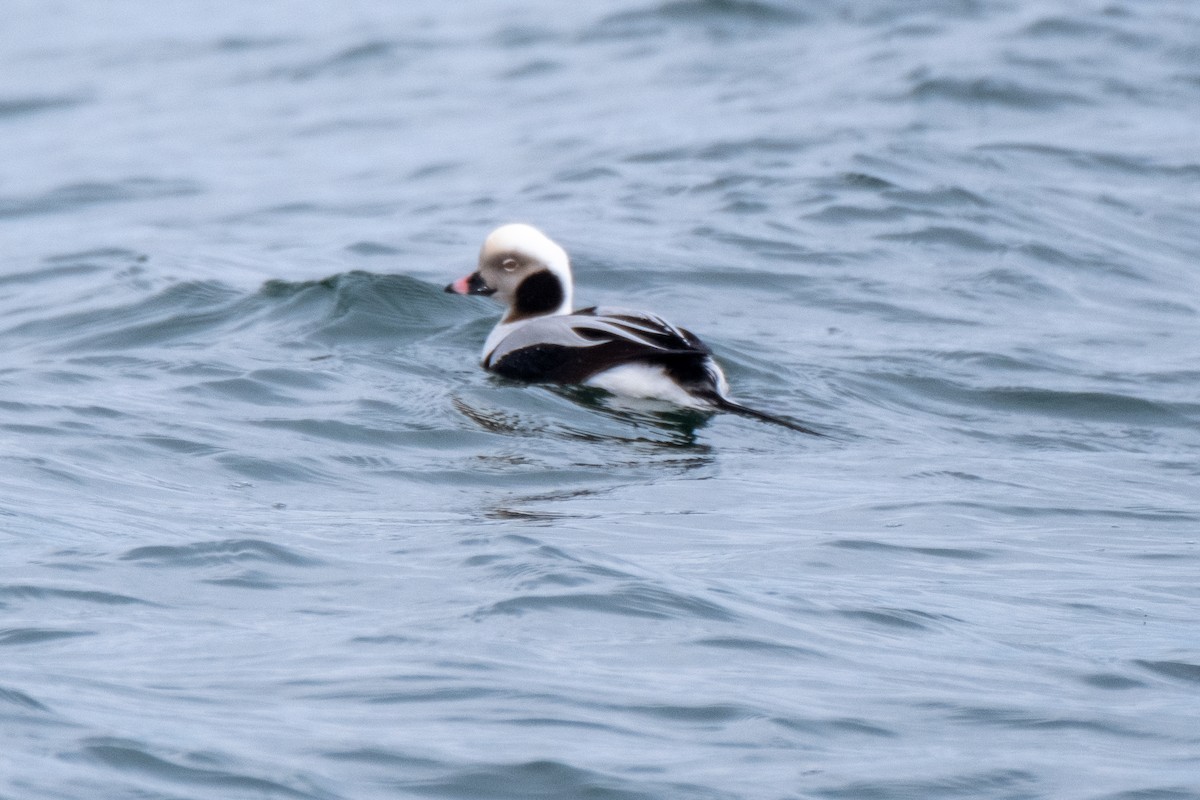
(524, 269)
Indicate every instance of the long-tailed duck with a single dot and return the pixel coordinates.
(541, 340)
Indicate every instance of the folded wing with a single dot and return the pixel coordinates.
(570, 348)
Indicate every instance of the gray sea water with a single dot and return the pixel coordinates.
(269, 532)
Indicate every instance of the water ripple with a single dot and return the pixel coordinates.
(218, 552)
(18, 698)
(76, 196)
(630, 601)
(24, 106)
(1179, 670)
(1093, 406)
(721, 18)
(534, 779)
(1111, 681)
(1023, 719)
(958, 554)
(756, 646)
(132, 758)
(984, 91)
(24, 636)
(1157, 793)
(896, 618)
(1009, 783)
(25, 592)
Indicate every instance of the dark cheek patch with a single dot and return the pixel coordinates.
(540, 293)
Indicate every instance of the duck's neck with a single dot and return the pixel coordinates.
(540, 294)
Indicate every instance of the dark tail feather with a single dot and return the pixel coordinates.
(725, 404)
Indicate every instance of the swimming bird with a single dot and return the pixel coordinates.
(540, 339)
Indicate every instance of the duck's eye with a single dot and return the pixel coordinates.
(509, 264)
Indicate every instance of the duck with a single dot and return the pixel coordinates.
(541, 338)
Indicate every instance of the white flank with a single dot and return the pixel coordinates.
(644, 380)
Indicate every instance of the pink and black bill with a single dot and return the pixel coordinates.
(471, 284)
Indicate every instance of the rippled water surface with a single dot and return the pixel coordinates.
(269, 531)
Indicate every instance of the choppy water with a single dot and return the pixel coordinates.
(269, 532)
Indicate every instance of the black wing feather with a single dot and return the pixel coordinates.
(637, 338)
(603, 339)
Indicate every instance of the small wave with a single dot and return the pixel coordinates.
(131, 757)
(522, 36)
(990, 91)
(537, 68)
(1022, 719)
(692, 714)
(993, 783)
(351, 307)
(361, 305)
(425, 694)
(586, 174)
(848, 215)
(247, 390)
(247, 579)
(76, 196)
(835, 726)
(898, 618)
(757, 646)
(1179, 670)
(175, 444)
(15, 697)
(1093, 161)
(26, 106)
(948, 235)
(1085, 30)
(774, 249)
(46, 274)
(384, 55)
(539, 779)
(721, 18)
(533, 565)
(1095, 406)
(950, 198)
(342, 431)
(748, 10)
(731, 151)
(243, 44)
(24, 592)
(954, 553)
(179, 311)
(376, 756)
(1111, 681)
(860, 181)
(631, 601)
(889, 203)
(1156, 793)
(372, 249)
(25, 636)
(1090, 406)
(220, 552)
